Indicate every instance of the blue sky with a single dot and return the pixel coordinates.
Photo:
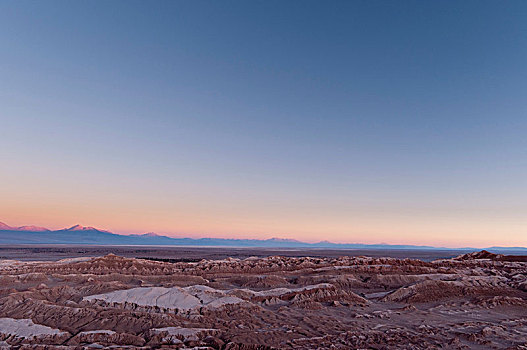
(354, 121)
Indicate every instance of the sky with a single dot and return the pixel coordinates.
(349, 121)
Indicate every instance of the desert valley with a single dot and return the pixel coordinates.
(473, 301)
(261, 175)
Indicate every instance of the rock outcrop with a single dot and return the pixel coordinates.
(477, 300)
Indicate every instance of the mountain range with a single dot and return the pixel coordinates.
(93, 236)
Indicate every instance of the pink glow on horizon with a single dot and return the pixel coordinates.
(368, 234)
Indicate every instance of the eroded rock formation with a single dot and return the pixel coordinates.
(477, 300)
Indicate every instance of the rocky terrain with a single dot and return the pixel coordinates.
(474, 301)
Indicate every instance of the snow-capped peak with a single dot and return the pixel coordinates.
(82, 228)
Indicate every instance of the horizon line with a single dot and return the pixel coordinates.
(78, 227)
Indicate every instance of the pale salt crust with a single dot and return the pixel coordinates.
(281, 291)
(186, 333)
(74, 260)
(17, 263)
(25, 328)
(98, 331)
(189, 298)
(170, 298)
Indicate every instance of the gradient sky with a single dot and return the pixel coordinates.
(354, 121)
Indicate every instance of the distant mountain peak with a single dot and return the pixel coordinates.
(83, 228)
(77, 228)
(276, 239)
(4, 226)
(150, 234)
(33, 228)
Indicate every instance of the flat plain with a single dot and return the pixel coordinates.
(56, 252)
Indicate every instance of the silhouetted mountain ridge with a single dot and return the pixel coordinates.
(5, 227)
(78, 234)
